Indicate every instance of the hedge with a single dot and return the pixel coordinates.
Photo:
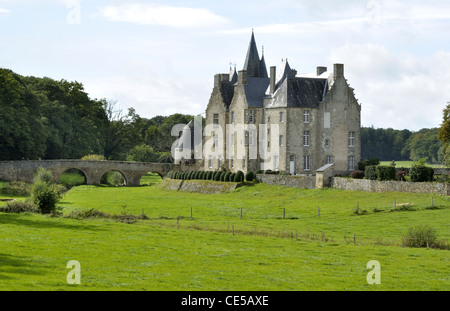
(370, 172)
(421, 173)
(385, 172)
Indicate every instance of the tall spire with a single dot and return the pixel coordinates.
(262, 66)
(252, 62)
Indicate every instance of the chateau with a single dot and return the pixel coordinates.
(281, 121)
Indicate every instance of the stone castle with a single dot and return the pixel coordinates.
(312, 120)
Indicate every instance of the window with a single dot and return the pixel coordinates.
(232, 161)
(220, 162)
(306, 116)
(306, 138)
(281, 140)
(306, 164)
(210, 162)
(351, 163)
(249, 116)
(329, 160)
(216, 141)
(351, 139)
(243, 163)
(327, 143)
(216, 120)
(281, 116)
(232, 117)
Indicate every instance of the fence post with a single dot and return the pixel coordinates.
(354, 238)
(318, 211)
(241, 212)
(284, 213)
(191, 212)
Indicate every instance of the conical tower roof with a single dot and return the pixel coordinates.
(252, 61)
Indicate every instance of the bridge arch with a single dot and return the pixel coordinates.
(114, 177)
(71, 177)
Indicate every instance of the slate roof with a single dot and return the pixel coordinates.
(255, 90)
(299, 92)
(227, 92)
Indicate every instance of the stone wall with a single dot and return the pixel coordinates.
(389, 186)
(199, 186)
(303, 182)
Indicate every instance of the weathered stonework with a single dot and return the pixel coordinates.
(198, 186)
(302, 182)
(389, 186)
(92, 170)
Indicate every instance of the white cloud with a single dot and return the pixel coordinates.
(4, 12)
(396, 91)
(155, 14)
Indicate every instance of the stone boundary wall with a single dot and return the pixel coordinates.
(199, 186)
(303, 182)
(389, 186)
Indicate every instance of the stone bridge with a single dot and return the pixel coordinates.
(92, 170)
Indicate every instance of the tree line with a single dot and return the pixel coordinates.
(401, 145)
(49, 119)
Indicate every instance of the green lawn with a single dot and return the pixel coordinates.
(408, 164)
(172, 251)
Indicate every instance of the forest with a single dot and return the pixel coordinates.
(41, 118)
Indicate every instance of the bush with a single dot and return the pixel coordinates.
(227, 176)
(94, 157)
(357, 174)
(250, 176)
(222, 175)
(232, 176)
(370, 172)
(385, 172)
(422, 236)
(367, 162)
(19, 207)
(16, 189)
(421, 173)
(210, 175)
(239, 177)
(45, 196)
(216, 176)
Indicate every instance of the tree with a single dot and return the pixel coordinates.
(143, 153)
(444, 130)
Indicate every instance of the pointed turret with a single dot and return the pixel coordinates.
(284, 72)
(262, 67)
(233, 75)
(252, 62)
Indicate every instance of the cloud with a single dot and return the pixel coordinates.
(398, 91)
(4, 12)
(155, 14)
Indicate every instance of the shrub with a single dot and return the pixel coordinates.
(222, 175)
(367, 162)
(232, 176)
(45, 196)
(422, 236)
(385, 172)
(421, 173)
(210, 175)
(216, 176)
(250, 176)
(19, 207)
(357, 174)
(94, 157)
(227, 176)
(239, 177)
(16, 189)
(370, 172)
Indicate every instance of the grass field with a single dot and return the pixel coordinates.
(279, 243)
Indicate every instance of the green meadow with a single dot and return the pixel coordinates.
(258, 237)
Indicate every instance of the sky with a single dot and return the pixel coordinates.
(160, 57)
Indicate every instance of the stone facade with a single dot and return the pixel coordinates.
(312, 120)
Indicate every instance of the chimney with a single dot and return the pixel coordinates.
(242, 77)
(273, 73)
(338, 70)
(294, 72)
(321, 70)
(220, 77)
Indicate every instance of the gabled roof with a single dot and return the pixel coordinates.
(255, 90)
(283, 72)
(299, 93)
(227, 92)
